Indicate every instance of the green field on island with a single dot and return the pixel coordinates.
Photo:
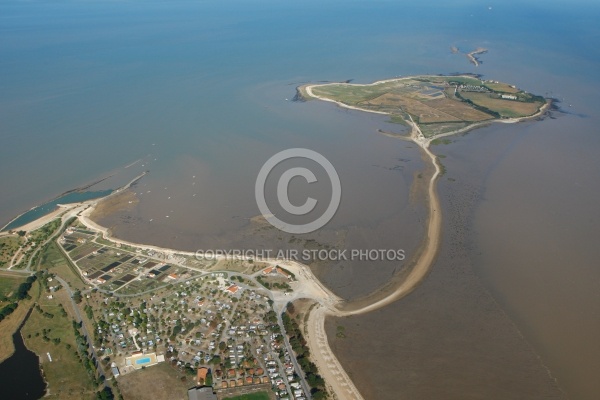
(438, 104)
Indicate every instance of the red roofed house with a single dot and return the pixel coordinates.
(267, 271)
(201, 376)
(233, 289)
(284, 273)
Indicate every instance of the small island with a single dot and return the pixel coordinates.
(435, 104)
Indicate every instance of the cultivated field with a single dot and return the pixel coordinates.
(506, 108)
(501, 87)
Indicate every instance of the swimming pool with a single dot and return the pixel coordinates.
(144, 360)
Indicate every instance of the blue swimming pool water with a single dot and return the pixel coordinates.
(144, 360)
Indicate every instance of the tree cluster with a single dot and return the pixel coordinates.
(299, 347)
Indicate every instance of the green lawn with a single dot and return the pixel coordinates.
(43, 233)
(159, 382)
(66, 376)
(8, 246)
(10, 324)
(251, 396)
(8, 284)
(53, 259)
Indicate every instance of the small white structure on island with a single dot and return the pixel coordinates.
(509, 97)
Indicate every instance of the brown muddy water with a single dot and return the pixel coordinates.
(204, 206)
(511, 308)
(534, 246)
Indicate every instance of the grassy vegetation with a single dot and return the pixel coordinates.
(11, 323)
(433, 102)
(250, 396)
(240, 266)
(350, 94)
(462, 80)
(17, 293)
(292, 328)
(274, 283)
(501, 87)
(441, 141)
(160, 382)
(506, 108)
(87, 318)
(398, 119)
(49, 330)
(43, 233)
(436, 129)
(8, 247)
(8, 284)
(424, 99)
(442, 168)
(30, 250)
(53, 259)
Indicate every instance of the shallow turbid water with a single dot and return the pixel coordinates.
(201, 92)
(529, 237)
(534, 232)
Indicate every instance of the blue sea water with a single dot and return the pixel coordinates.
(47, 208)
(86, 87)
(200, 92)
